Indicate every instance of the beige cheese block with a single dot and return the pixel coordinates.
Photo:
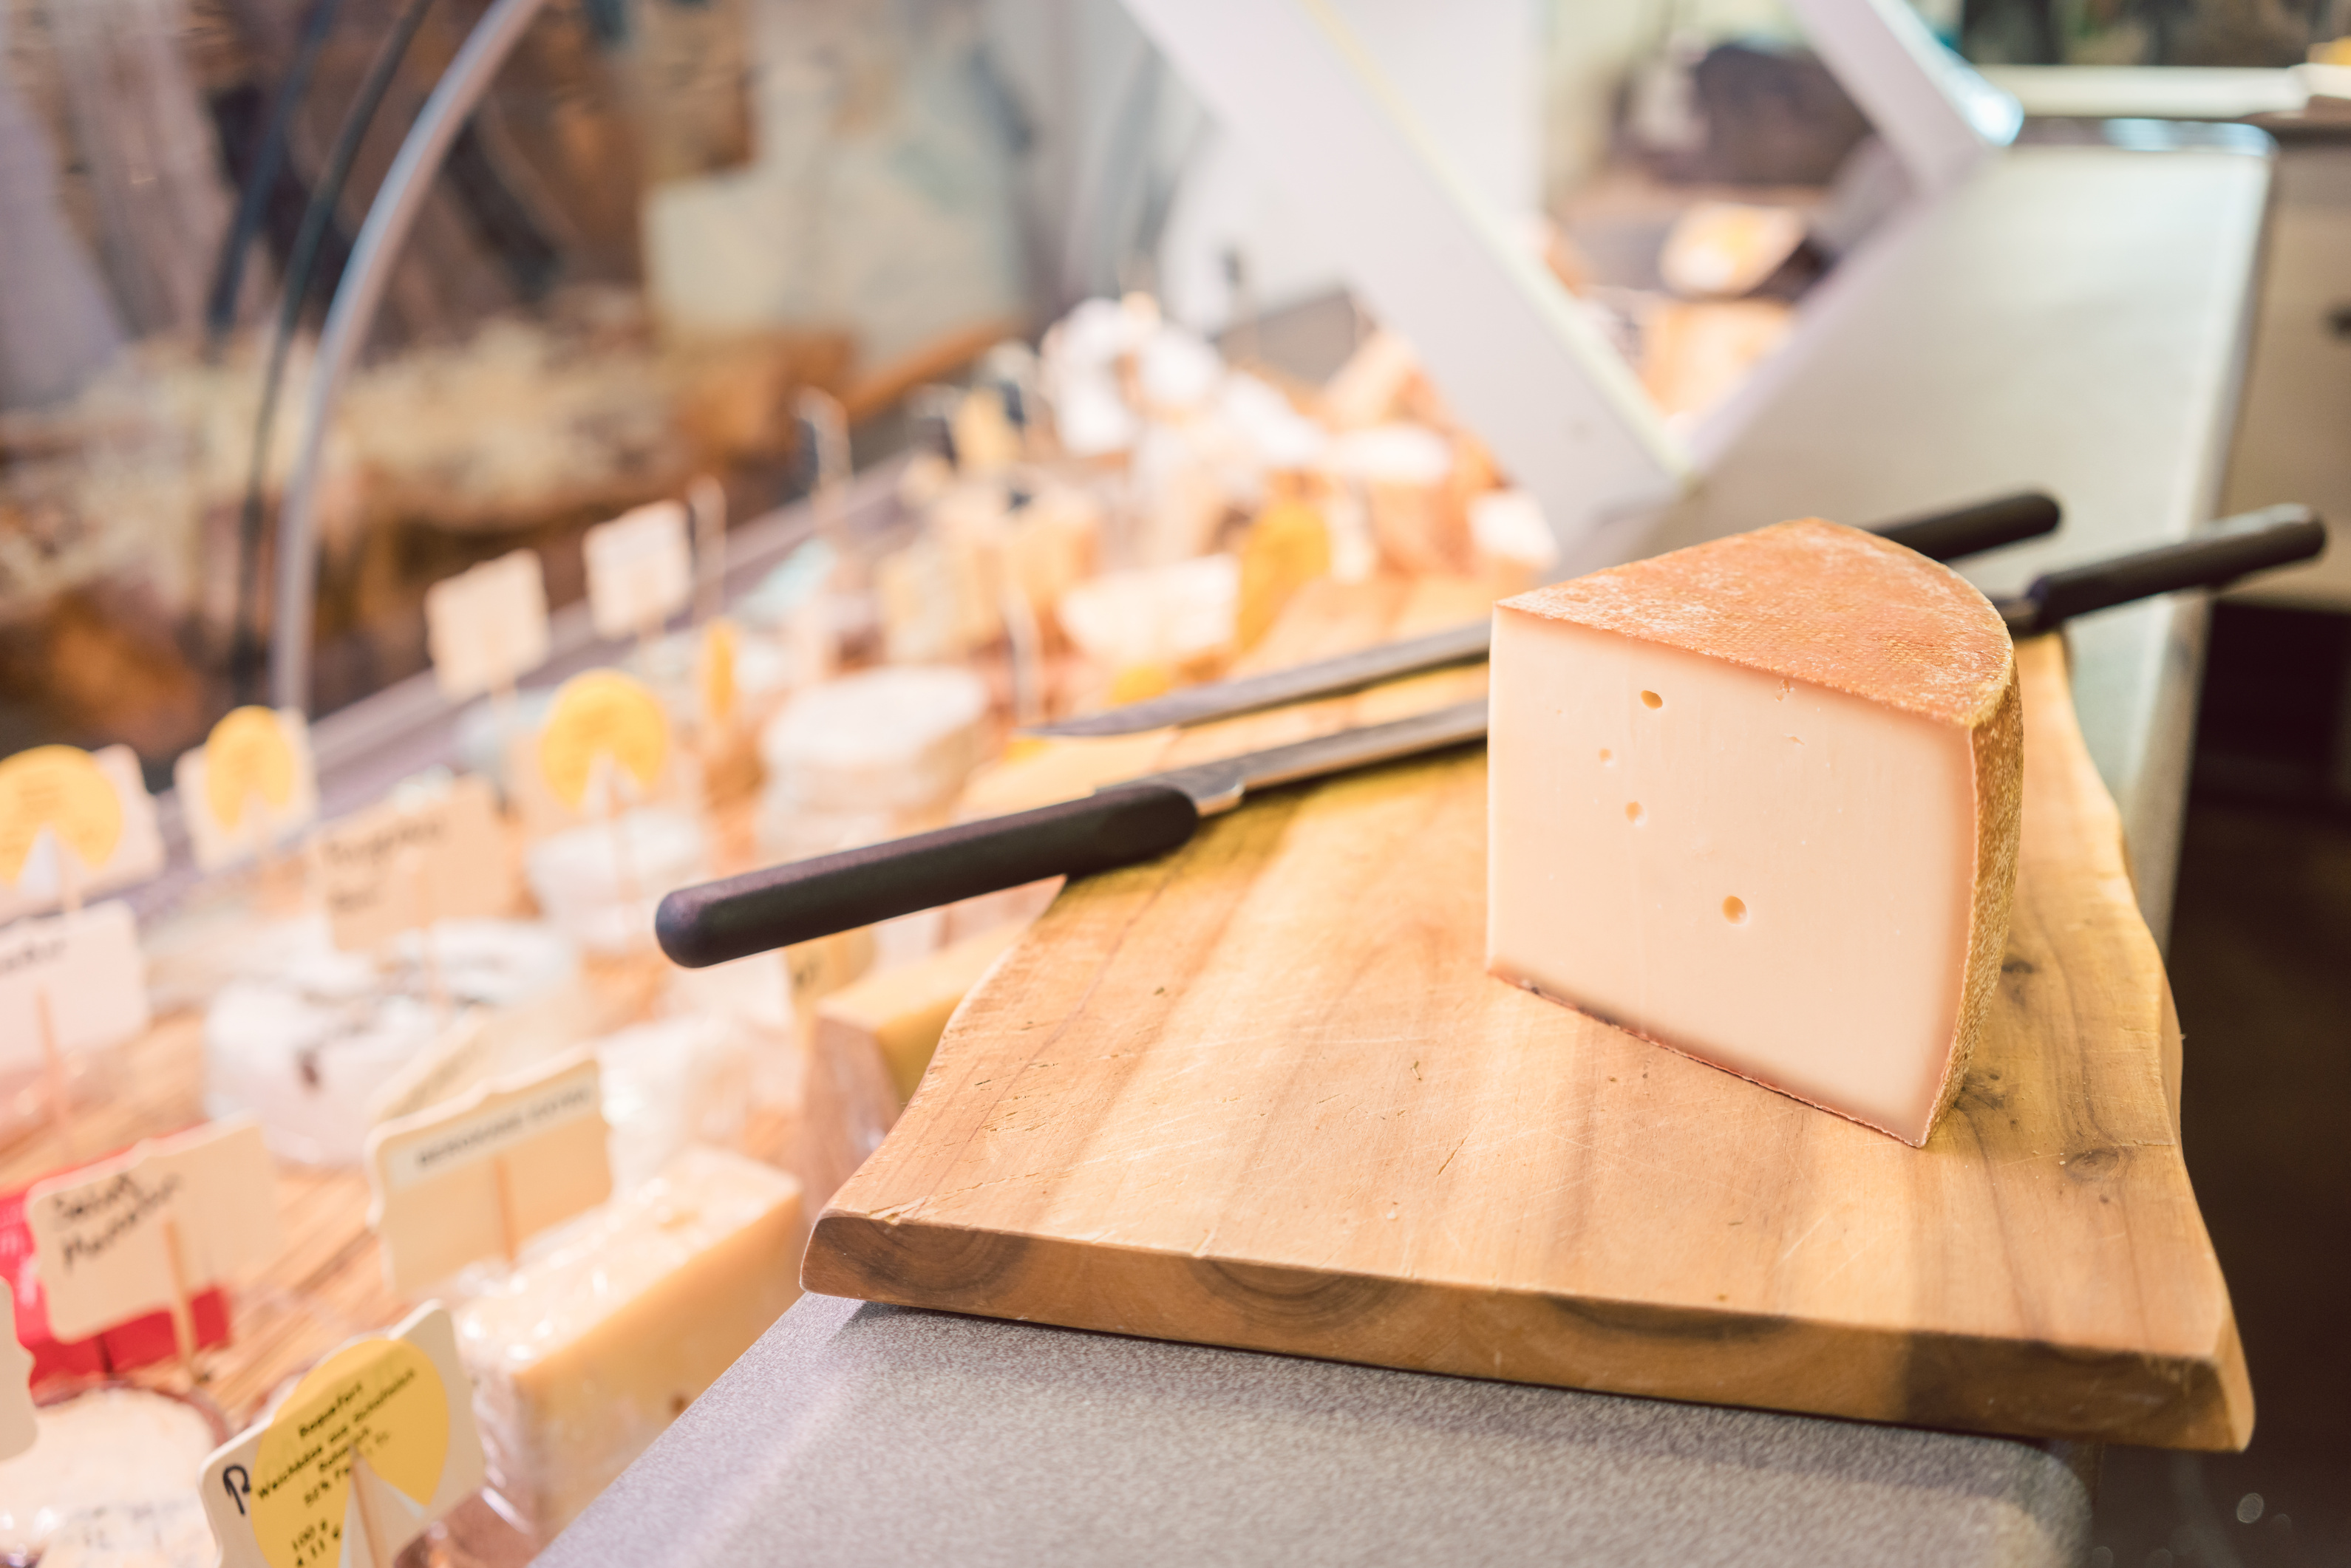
(608, 1328)
(1757, 800)
(899, 1013)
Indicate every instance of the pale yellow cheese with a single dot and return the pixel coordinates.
(609, 1327)
(1757, 800)
(901, 1012)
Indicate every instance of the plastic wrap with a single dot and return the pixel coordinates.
(307, 1045)
(111, 1478)
(608, 1327)
(670, 1083)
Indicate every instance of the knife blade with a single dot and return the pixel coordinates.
(1117, 825)
(1945, 535)
(1122, 824)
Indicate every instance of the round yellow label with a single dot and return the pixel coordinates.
(62, 789)
(381, 1399)
(602, 713)
(716, 669)
(247, 755)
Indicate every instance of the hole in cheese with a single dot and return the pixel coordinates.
(1734, 909)
(1632, 812)
(1607, 758)
(1653, 699)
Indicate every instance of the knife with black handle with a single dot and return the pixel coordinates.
(1945, 535)
(1122, 824)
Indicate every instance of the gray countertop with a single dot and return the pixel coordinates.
(2072, 319)
(862, 1434)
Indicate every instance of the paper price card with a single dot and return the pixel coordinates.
(640, 570)
(486, 626)
(78, 978)
(147, 1229)
(251, 784)
(475, 1178)
(373, 1445)
(405, 863)
(53, 818)
(59, 791)
(602, 715)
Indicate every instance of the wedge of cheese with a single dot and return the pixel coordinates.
(608, 1327)
(1757, 800)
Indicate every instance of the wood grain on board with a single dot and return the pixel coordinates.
(1260, 1092)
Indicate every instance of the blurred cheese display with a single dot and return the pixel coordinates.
(1112, 515)
(110, 1478)
(606, 1329)
(306, 1038)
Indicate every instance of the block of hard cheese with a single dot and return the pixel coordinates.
(1757, 800)
(607, 1328)
(899, 1013)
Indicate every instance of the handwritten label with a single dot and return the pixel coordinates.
(640, 571)
(251, 784)
(144, 1230)
(405, 863)
(78, 976)
(713, 671)
(372, 1445)
(58, 789)
(476, 1178)
(486, 626)
(602, 715)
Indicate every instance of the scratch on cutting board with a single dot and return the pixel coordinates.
(1800, 1240)
(1456, 1149)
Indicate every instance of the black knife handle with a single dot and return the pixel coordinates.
(2239, 545)
(801, 900)
(1947, 536)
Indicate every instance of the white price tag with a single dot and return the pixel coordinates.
(148, 1229)
(640, 570)
(251, 786)
(476, 1178)
(375, 1443)
(399, 864)
(486, 626)
(136, 852)
(78, 976)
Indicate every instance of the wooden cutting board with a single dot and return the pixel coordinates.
(1260, 1092)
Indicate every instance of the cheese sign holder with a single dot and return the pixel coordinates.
(477, 1177)
(705, 503)
(714, 676)
(73, 823)
(149, 1228)
(68, 983)
(486, 627)
(606, 734)
(373, 1445)
(250, 786)
(640, 571)
(422, 856)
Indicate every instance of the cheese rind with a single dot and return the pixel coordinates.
(1757, 800)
